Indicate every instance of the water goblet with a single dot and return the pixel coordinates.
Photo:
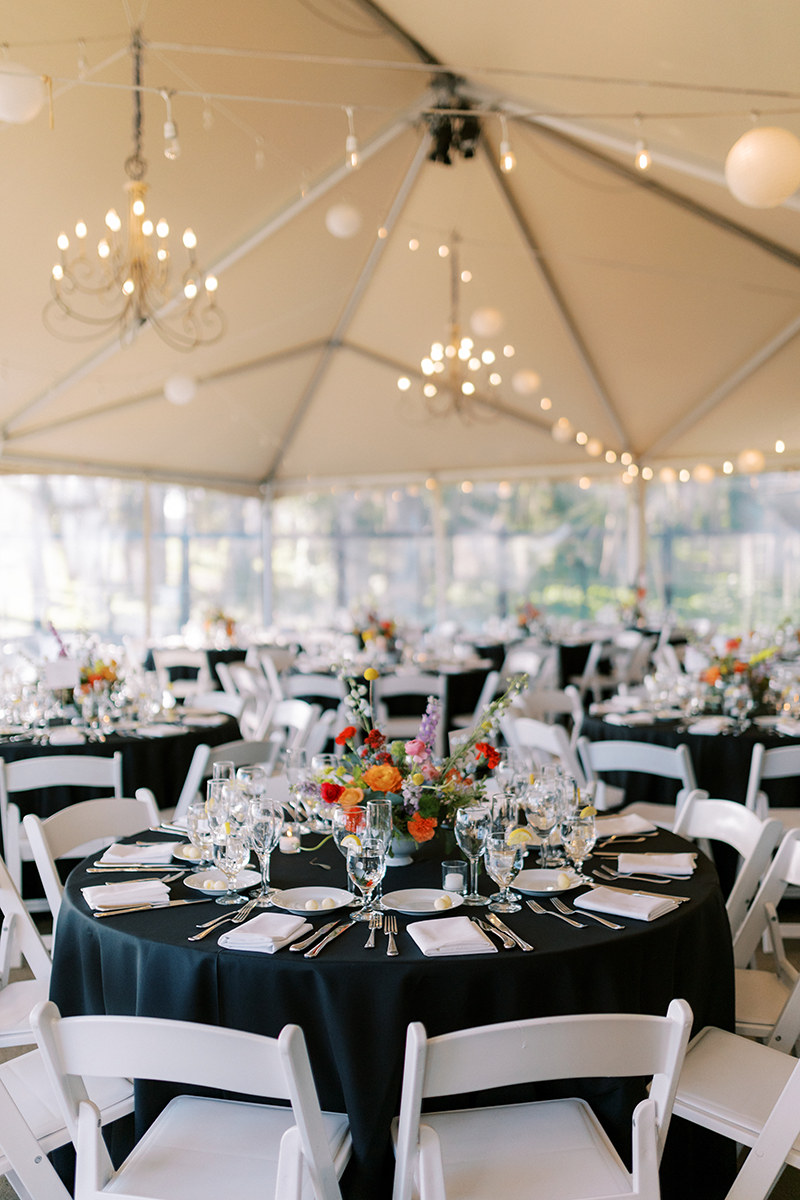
(296, 763)
(266, 824)
(472, 826)
(348, 828)
(379, 825)
(231, 853)
(224, 769)
(503, 863)
(366, 865)
(199, 832)
(542, 811)
(578, 834)
(216, 807)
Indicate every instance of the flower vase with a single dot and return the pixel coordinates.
(401, 850)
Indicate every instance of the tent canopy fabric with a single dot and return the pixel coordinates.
(653, 313)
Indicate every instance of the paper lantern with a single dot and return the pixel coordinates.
(703, 473)
(562, 430)
(750, 462)
(763, 168)
(343, 220)
(526, 382)
(486, 322)
(22, 93)
(180, 389)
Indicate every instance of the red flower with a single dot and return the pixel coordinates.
(374, 739)
(330, 792)
(348, 732)
(491, 755)
(422, 828)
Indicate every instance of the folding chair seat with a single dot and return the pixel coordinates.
(198, 1145)
(543, 1149)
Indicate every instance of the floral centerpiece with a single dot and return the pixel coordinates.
(98, 674)
(732, 669)
(530, 619)
(370, 627)
(217, 621)
(425, 793)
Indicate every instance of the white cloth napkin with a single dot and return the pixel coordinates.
(620, 904)
(630, 823)
(65, 736)
(788, 725)
(156, 854)
(131, 891)
(631, 718)
(449, 935)
(157, 731)
(265, 933)
(658, 864)
(710, 725)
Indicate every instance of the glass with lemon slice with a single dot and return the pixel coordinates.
(578, 835)
(349, 827)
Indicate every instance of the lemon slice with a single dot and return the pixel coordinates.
(519, 836)
(588, 811)
(351, 842)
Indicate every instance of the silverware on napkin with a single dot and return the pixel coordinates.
(113, 912)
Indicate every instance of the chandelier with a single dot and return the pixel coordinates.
(128, 284)
(457, 374)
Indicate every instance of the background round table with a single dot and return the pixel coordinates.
(354, 1004)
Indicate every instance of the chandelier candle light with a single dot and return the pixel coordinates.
(129, 284)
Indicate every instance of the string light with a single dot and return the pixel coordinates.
(351, 159)
(507, 157)
(641, 155)
(172, 147)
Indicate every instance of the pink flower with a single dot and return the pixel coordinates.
(416, 749)
(430, 772)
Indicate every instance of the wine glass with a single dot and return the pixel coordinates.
(473, 823)
(297, 775)
(348, 827)
(542, 810)
(216, 807)
(366, 865)
(231, 853)
(503, 862)
(199, 832)
(379, 826)
(266, 823)
(578, 834)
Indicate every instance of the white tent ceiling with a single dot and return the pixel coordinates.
(660, 313)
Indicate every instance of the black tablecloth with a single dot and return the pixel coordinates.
(721, 761)
(354, 1004)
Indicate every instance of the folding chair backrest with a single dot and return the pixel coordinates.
(773, 1146)
(784, 870)
(242, 753)
(543, 743)
(219, 702)
(667, 762)
(19, 934)
(778, 762)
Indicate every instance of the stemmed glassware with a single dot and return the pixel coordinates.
(366, 865)
(348, 829)
(542, 809)
(199, 832)
(324, 769)
(297, 774)
(266, 823)
(503, 863)
(231, 853)
(579, 834)
(379, 826)
(472, 826)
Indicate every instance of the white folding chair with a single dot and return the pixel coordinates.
(777, 762)
(291, 723)
(628, 653)
(395, 687)
(705, 820)
(242, 753)
(48, 771)
(589, 678)
(489, 692)
(538, 744)
(197, 1144)
(768, 1001)
(550, 704)
(167, 661)
(749, 1093)
(219, 702)
(19, 936)
(665, 762)
(66, 833)
(257, 695)
(537, 1150)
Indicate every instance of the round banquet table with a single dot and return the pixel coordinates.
(354, 1004)
(721, 760)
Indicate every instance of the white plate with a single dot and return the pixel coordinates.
(420, 900)
(543, 881)
(297, 899)
(182, 854)
(244, 879)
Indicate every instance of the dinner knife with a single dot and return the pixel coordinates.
(305, 942)
(642, 892)
(495, 920)
(113, 912)
(314, 951)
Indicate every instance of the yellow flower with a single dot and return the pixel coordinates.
(418, 778)
(370, 674)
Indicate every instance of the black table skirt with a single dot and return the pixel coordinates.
(354, 1005)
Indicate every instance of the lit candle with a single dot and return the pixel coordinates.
(289, 842)
(453, 882)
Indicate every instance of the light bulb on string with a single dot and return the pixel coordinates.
(641, 155)
(508, 159)
(172, 147)
(351, 159)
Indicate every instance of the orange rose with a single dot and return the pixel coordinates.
(422, 828)
(350, 797)
(383, 778)
(712, 675)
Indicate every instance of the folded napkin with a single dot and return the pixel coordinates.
(620, 904)
(631, 718)
(630, 823)
(64, 736)
(789, 726)
(657, 864)
(156, 731)
(265, 933)
(710, 725)
(449, 935)
(132, 891)
(157, 853)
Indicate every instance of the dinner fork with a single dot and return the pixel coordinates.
(236, 919)
(548, 912)
(390, 925)
(570, 912)
(375, 922)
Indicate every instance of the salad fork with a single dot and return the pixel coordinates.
(570, 912)
(390, 925)
(548, 912)
(375, 922)
(236, 919)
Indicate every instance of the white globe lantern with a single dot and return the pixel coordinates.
(750, 462)
(562, 430)
(762, 169)
(486, 322)
(526, 382)
(22, 93)
(180, 389)
(343, 220)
